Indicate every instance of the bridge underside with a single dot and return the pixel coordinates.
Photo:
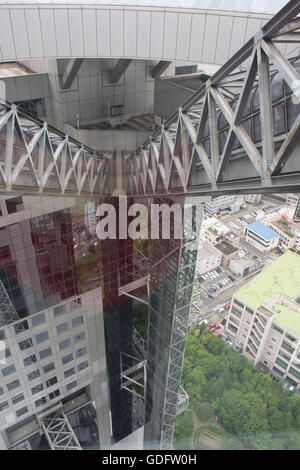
(239, 132)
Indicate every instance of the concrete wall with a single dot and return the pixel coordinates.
(91, 92)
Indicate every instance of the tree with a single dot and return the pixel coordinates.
(184, 428)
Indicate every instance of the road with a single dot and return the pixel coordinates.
(208, 307)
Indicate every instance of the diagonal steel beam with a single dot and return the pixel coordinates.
(70, 73)
(160, 68)
(286, 148)
(118, 70)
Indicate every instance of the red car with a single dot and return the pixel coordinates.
(227, 306)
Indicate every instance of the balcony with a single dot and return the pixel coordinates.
(182, 401)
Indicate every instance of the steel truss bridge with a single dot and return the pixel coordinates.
(238, 133)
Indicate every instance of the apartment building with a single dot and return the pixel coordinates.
(261, 237)
(227, 251)
(217, 204)
(51, 319)
(287, 238)
(264, 319)
(208, 258)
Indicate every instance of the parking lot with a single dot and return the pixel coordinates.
(211, 284)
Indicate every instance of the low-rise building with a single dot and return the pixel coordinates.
(261, 237)
(287, 238)
(264, 318)
(240, 266)
(227, 251)
(233, 238)
(212, 229)
(217, 204)
(208, 258)
(253, 198)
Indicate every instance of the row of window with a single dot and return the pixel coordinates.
(44, 336)
(40, 318)
(43, 354)
(39, 388)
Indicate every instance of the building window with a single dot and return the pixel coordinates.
(51, 381)
(287, 347)
(21, 327)
(38, 319)
(238, 304)
(291, 338)
(4, 405)
(79, 337)
(42, 337)
(71, 385)
(185, 69)
(64, 344)
(237, 313)
(38, 388)
(67, 358)
(294, 372)
(233, 320)
(281, 363)
(282, 354)
(69, 372)
(77, 321)
(40, 402)
(33, 375)
(62, 328)
(275, 327)
(48, 367)
(232, 328)
(54, 394)
(34, 106)
(28, 361)
(22, 411)
(12, 385)
(83, 365)
(60, 310)
(7, 353)
(17, 398)
(8, 370)
(81, 352)
(27, 343)
(45, 353)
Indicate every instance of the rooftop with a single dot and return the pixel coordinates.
(262, 230)
(287, 317)
(206, 249)
(243, 262)
(280, 278)
(226, 248)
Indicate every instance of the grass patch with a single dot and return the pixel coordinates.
(209, 437)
